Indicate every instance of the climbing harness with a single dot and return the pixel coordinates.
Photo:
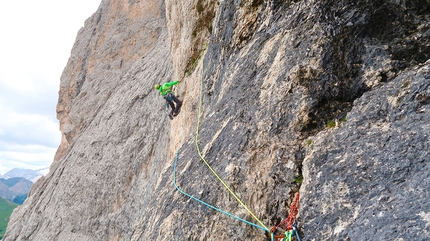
(168, 96)
(288, 225)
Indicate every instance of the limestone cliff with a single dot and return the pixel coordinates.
(329, 99)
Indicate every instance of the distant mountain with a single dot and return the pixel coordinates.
(15, 189)
(16, 183)
(6, 209)
(28, 174)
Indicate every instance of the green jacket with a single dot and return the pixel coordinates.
(167, 87)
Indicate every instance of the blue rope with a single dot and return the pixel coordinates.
(297, 235)
(208, 205)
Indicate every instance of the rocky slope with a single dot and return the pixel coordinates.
(332, 92)
(15, 189)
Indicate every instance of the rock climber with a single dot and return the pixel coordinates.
(166, 91)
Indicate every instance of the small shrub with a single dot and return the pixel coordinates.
(309, 142)
(343, 119)
(331, 124)
(256, 3)
(199, 7)
(298, 179)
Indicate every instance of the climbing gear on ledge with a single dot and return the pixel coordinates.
(289, 225)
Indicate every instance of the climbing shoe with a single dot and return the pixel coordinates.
(171, 116)
(177, 112)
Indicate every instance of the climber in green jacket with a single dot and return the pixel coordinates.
(166, 92)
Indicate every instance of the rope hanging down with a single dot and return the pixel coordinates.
(261, 226)
(209, 166)
(198, 200)
(206, 204)
(289, 223)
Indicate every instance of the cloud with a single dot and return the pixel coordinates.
(24, 129)
(26, 140)
(37, 37)
(39, 99)
(28, 157)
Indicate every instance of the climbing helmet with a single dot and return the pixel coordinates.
(157, 86)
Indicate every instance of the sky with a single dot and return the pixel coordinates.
(35, 44)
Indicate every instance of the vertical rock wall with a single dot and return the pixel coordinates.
(115, 143)
(369, 178)
(278, 81)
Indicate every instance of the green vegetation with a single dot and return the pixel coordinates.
(343, 119)
(256, 3)
(299, 179)
(6, 209)
(202, 30)
(199, 7)
(331, 124)
(309, 142)
(193, 63)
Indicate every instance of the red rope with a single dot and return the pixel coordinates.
(294, 209)
(288, 222)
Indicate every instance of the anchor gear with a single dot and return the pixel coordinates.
(288, 225)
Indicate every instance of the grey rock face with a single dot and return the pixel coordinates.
(274, 75)
(369, 178)
(115, 141)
